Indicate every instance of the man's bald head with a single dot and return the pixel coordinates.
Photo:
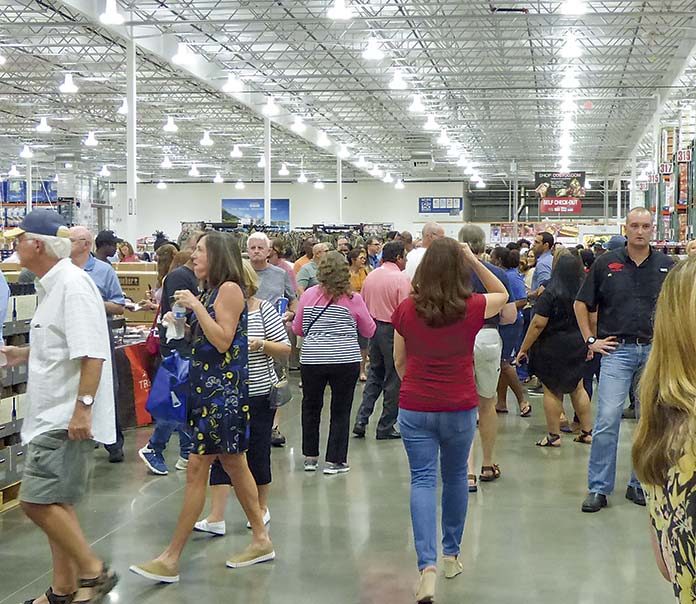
(431, 232)
(81, 241)
(82, 233)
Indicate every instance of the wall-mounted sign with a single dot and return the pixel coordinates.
(653, 179)
(643, 185)
(560, 205)
(684, 156)
(559, 184)
(440, 205)
(250, 211)
(666, 168)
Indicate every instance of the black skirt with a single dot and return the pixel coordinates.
(559, 361)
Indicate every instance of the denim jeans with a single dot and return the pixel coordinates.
(427, 435)
(618, 372)
(163, 432)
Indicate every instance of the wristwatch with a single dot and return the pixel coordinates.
(591, 340)
(86, 400)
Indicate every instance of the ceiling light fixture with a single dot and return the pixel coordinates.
(55, 178)
(398, 82)
(376, 171)
(193, 172)
(218, 180)
(26, 152)
(68, 86)
(3, 60)
(362, 163)
(417, 105)
(270, 108)
(573, 7)
(399, 185)
(166, 163)
(91, 140)
(111, 16)
(322, 139)
(233, 85)
(453, 150)
(430, 124)
(568, 122)
(373, 52)
(462, 162)
(388, 178)
(588, 185)
(571, 49)
(302, 178)
(262, 161)
(343, 152)
(14, 173)
(469, 170)
(298, 126)
(105, 172)
(443, 139)
(283, 170)
(570, 79)
(480, 184)
(43, 126)
(566, 139)
(206, 141)
(123, 109)
(475, 176)
(568, 105)
(239, 185)
(183, 55)
(236, 152)
(319, 185)
(161, 185)
(340, 11)
(170, 126)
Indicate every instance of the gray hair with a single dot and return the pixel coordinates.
(56, 247)
(474, 236)
(259, 236)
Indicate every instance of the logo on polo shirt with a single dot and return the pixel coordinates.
(616, 267)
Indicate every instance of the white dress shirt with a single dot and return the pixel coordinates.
(69, 325)
(413, 260)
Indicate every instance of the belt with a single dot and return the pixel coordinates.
(634, 340)
(489, 326)
(383, 322)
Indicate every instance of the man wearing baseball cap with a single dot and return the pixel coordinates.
(106, 244)
(71, 402)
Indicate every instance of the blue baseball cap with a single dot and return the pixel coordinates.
(616, 242)
(40, 222)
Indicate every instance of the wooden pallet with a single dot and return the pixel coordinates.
(9, 497)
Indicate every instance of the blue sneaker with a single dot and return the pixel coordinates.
(154, 461)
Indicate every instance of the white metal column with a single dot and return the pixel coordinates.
(606, 198)
(339, 186)
(131, 225)
(29, 191)
(634, 185)
(267, 172)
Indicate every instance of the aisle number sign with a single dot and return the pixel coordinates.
(653, 179)
(684, 156)
(666, 169)
(440, 205)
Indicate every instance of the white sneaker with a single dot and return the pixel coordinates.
(214, 528)
(266, 518)
(181, 463)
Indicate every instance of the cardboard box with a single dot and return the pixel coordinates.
(20, 402)
(135, 267)
(6, 408)
(4, 467)
(17, 457)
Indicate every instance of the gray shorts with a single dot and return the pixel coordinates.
(56, 469)
(487, 349)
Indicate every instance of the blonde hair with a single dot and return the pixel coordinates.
(691, 247)
(251, 279)
(560, 251)
(668, 384)
(333, 275)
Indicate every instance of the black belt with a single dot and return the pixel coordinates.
(490, 326)
(634, 340)
(383, 322)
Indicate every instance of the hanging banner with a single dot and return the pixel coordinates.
(559, 184)
(248, 212)
(560, 205)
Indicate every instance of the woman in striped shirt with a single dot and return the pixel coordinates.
(330, 317)
(268, 340)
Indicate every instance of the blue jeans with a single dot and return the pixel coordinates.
(163, 432)
(427, 435)
(618, 372)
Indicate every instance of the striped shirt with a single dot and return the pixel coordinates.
(332, 338)
(261, 371)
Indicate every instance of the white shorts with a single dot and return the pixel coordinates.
(487, 350)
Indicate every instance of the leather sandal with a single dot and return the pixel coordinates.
(585, 437)
(100, 586)
(473, 487)
(490, 473)
(550, 440)
(54, 598)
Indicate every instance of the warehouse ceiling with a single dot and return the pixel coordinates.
(538, 83)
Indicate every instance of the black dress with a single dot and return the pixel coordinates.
(559, 355)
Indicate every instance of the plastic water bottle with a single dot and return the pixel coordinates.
(179, 312)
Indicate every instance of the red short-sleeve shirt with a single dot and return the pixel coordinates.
(440, 360)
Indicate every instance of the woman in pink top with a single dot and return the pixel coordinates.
(435, 329)
(276, 258)
(329, 317)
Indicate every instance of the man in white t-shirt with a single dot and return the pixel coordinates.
(71, 402)
(431, 232)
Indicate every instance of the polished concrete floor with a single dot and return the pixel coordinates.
(347, 539)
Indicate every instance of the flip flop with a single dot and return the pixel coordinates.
(526, 411)
(550, 440)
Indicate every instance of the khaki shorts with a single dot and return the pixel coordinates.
(56, 469)
(487, 350)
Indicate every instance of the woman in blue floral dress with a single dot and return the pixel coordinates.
(218, 404)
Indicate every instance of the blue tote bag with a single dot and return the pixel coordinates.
(170, 390)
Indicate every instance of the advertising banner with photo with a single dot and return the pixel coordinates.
(503, 232)
(560, 192)
(248, 212)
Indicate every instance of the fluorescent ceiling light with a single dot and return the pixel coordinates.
(283, 170)
(573, 7)
(373, 52)
(323, 139)
(170, 126)
(570, 80)
(91, 140)
(398, 82)
(298, 126)
(111, 16)
(43, 126)
(443, 139)
(161, 185)
(318, 184)
(430, 124)
(340, 11)
(262, 161)
(399, 184)
(183, 55)
(417, 105)
(26, 152)
(480, 184)
(239, 185)
(68, 86)
(194, 171)
(166, 163)
(302, 178)
(123, 109)
(206, 141)
(388, 178)
(343, 153)
(270, 108)
(218, 180)
(233, 85)
(571, 49)
(14, 173)
(105, 172)
(568, 105)
(236, 152)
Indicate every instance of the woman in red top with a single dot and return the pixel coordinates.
(434, 338)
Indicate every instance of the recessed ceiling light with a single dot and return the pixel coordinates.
(170, 126)
(111, 16)
(68, 86)
(43, 126)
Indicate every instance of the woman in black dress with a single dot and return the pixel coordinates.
(557, 351)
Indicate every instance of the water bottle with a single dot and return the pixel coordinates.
(179, 312)
(282, 306)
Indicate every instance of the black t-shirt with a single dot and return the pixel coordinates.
(558, 311)
(479, 289)
(180, 278)
(625, 294)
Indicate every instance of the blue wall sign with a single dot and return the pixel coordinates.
(440, 205)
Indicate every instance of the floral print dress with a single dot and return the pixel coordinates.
(673, 510)
(219, 401)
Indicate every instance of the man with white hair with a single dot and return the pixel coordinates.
(431, 232)
(70, 403)
(307, 277)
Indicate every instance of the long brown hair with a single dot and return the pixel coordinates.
(333, 275)
(442, 284)
(224, 259)
(165, 255)
(668, 386)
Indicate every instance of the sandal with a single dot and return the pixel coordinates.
(490, 473)
(100, 586)
(585, 437)
(526, 410)
(550, 440)
(473, 487)
(54, 598)
(501, 411)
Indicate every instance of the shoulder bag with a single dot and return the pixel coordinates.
(152, 342)
(281, 393)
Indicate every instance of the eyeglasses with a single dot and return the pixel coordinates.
(76, 240)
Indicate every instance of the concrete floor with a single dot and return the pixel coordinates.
(347, 539)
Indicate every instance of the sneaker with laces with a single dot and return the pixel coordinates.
(266, 518)
(214, 528)
(154, 461)
(181, 463)
(336, 468)
(311, 464)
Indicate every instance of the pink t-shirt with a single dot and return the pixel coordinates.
(384, 289)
